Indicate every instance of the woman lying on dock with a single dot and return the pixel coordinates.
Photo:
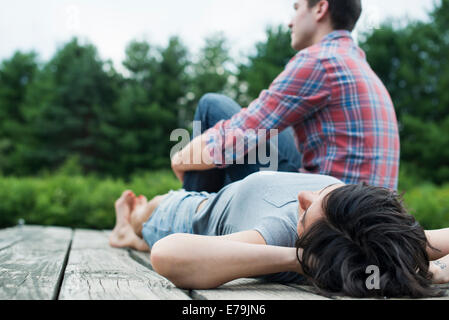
(287, 227)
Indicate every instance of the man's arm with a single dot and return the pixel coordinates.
(301, 90)
(201, 262)
(194, 157)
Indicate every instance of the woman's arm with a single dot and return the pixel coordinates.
(438, 239)
(440, 270)
(439, 265)
(200, 262)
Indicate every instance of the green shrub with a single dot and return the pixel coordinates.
(73, 201)
(88, 202)
(427, 202)
(430, 205)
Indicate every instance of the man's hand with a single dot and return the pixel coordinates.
(192, 158)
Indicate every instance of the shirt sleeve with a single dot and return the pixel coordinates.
(299, 91)
(279, 232)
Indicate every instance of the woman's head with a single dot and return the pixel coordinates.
(345, 230)
(311, 206)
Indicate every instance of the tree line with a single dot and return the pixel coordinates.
(77, 106)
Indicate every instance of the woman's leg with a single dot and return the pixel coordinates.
(143, 212)
(132, 213)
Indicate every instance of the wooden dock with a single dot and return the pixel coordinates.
(51, 263)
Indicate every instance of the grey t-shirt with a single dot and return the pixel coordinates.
(266, 202)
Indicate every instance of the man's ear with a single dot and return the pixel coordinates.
(321, 10)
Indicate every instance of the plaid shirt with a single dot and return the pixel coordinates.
(344, 119)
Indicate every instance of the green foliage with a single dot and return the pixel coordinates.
(77, 105)
(71, 167)
(66, 108)
(210, 72)
(139, 61)
(170, 80)
(430, 205)
(73, 200)
(148, 107)
(16, 75)
(426, 201)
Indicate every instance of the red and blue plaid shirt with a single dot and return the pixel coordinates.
(343, 116)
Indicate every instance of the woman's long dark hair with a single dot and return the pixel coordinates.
(366, 226)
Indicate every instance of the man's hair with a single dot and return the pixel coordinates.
(366, 226)
(344, 13)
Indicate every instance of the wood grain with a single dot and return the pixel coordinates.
(43, 263)
(32, 261)
(96, 271)
(251, 289)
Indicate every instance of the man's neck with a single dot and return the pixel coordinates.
(321, 34)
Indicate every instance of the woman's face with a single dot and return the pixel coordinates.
(311, 207)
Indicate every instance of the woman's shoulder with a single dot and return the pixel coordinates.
(288, 178)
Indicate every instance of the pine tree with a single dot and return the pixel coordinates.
(16, 74)
(66, 107)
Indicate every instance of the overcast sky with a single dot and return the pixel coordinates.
(45, 25)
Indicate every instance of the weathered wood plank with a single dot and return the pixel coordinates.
(338, 297)
(445, 288)
(251, 289)
(141, 257)
(95, 271)
(31, 262)
(9, 237)
(241, 289)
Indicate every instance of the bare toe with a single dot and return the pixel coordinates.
(129, 198)
(123, 199)
(123, 208)
(141, 201)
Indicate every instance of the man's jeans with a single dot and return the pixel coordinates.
(213, 108)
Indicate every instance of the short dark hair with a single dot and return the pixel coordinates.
(366, 226)
(344, 13)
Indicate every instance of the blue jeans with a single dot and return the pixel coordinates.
(213, 108)
(173, 215)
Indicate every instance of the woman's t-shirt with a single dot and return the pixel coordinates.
(266, 202)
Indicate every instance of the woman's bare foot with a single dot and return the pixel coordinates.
(123, 235)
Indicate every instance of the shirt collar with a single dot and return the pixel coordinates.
(337, 34)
